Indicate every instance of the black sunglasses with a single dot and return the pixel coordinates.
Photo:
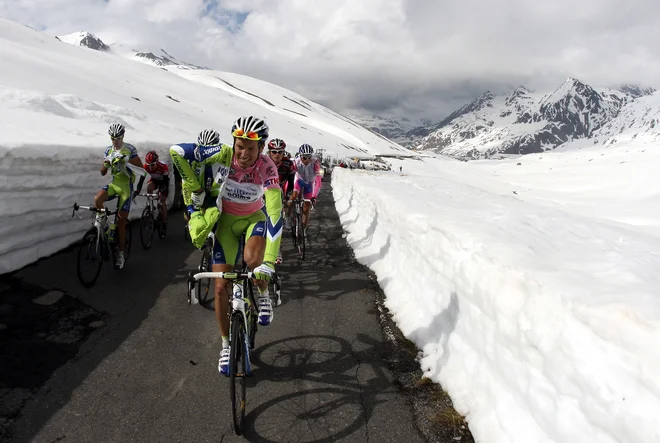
(276, 152)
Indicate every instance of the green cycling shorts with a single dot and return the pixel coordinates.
(121, 190)
(230, 230)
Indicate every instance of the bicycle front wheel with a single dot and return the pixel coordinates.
(147, 228)
(301, 237)
(129, 241)
(237, 371)
(90, 258)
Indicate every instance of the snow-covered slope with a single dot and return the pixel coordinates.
(638, 121)
(525, 122)
(57, 101)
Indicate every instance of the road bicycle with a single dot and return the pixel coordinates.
(152, 220)
(100, 243)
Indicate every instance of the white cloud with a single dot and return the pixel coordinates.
(417, 55)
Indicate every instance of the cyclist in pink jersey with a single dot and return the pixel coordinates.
(244, 188)
(307, 180)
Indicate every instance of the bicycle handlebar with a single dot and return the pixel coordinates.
(76, 207)
(224, 275)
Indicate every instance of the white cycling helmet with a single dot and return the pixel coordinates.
(116, 130)
(208, 137)
(250, 128)
(305, 149)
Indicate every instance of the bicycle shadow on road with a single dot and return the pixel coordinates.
(343, 382)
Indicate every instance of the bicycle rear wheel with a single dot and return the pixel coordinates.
(237, 371)
(147, 228)
(204, 285)
(293, 230)
(90, 258)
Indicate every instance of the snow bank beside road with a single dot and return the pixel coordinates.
(38, 185)
(543, 326)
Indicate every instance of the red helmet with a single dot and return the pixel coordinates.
(276, 144)
(151, 158)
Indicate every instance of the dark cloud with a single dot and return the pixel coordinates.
(408, 56)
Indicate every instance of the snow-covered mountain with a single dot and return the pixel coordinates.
(84, 39)
(157, 58)
(524, 122)
(398, 129)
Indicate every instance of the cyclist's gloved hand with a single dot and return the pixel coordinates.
(190, 209)
(265, 272)
(107, 163)
(198, 199)
(313, 201)
(118, 159)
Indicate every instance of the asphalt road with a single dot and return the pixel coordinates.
(143, 365)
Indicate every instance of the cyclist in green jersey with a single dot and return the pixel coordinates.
(124, 164)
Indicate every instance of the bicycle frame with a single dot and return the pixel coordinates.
(236, 304)
(153, 200)
(100, 222)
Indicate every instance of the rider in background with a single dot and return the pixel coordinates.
(308, 180)
(123, 162)
(285, 170)
(159, 179)
(195, 175)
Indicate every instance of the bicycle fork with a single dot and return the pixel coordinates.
(239, 304)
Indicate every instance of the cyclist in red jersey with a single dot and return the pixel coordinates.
(160, 179)
(285, 168)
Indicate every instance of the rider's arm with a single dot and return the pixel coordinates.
(185, 193)
(273, 223)
(188, 178)
(138, 169)
(165, 175)
(290, 179)
(318, 179)
(104, 168)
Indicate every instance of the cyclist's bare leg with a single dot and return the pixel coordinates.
(100, 198)
(122, 216)
(253, 254)
(222, 300)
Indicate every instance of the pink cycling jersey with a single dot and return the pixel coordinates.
(310, 174)
(242, 192)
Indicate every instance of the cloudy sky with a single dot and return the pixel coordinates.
(420, 58)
